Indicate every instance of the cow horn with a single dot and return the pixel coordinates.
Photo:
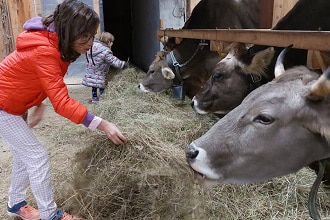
(279, 66)
(321, 88)
(178, 40)
(164, 40)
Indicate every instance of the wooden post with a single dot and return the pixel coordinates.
(281, 8)
(161, 23)
(190, 7)
(14, 13)
(35, 9)
(96, 7)
(266, 14)
(7, 39)
(19, 11)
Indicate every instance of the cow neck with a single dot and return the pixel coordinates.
(175, 65)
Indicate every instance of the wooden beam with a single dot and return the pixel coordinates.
(35, 8)
(313, 40)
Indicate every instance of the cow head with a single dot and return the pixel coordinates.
(189, 64)
(279, 128)
(159, 76)
(232, 79)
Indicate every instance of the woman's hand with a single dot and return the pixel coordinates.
(112, 132)
(37, 115)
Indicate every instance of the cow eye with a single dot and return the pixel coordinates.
(264, 119)
(217, 76)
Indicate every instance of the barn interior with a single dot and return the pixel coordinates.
(283, 198)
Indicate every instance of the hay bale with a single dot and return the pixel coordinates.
(147, 178)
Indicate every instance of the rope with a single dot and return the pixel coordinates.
(313, 212)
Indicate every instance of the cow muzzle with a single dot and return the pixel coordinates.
(198, 162)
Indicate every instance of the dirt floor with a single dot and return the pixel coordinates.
(61, 154)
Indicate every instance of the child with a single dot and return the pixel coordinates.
(99, 60)
(30, 74)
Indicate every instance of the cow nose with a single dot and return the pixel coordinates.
(192, 104)
(191, 152)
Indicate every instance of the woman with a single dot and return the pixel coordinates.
(29, 75)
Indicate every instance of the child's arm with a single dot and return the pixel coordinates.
(114, 61)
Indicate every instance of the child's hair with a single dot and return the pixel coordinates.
(72, 20)
(106, 37)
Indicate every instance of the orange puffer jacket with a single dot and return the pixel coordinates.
(33, 72)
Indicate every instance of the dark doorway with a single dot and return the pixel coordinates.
(117, 20)
(134, 23)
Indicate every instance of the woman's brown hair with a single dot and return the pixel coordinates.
(72, 20)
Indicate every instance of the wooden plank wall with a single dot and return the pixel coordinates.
(276, 8)
(96, 7)
(18, 12)
(6, 38)
(281, 7)
(271, 11)
(190, 6)
(315, 59)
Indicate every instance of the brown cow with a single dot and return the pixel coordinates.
(190, 63)
(231, 80)
(279, 128)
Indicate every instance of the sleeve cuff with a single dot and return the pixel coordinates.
(91, 121)
(95, 123)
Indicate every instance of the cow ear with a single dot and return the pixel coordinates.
(260, 61)
(164, 40)
(168, 73)
(321, 87)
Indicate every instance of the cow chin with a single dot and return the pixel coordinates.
(154, 88)
(205, 181)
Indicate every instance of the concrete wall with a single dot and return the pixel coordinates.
(146, 15)
(172, 12)
(48, 6)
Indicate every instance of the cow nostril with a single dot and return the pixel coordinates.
(191, 153)
(139, 86)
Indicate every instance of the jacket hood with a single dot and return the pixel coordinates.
(36, 34)
(98, 47)
(35, 23)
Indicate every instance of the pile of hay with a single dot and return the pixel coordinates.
(148, 178)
